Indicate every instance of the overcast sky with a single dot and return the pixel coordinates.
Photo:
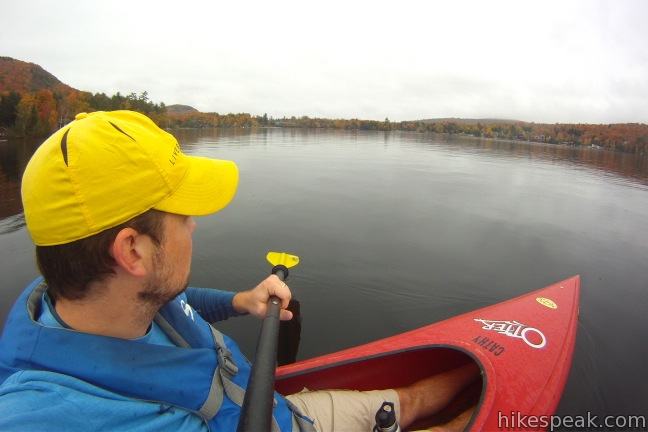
(543, 61)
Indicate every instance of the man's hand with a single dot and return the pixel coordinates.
(255, 301)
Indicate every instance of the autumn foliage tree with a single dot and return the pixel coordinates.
(42, 112)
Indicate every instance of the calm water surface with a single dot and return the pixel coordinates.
(398, 230)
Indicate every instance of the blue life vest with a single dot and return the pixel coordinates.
(205, 373)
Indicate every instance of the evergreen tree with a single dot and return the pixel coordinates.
(9, 109)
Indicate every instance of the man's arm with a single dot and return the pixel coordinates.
(212, 304)
(216, 305)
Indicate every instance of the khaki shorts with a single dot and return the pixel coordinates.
(343, 410)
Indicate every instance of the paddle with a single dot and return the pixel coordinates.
(256, 413)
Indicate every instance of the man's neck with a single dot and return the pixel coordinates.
(108, 312)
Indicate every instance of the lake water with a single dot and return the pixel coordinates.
(398, 230)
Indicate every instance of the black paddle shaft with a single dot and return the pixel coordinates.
(256, 413)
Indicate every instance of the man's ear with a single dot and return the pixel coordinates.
(132, 251)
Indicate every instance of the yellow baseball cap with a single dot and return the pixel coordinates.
(105, 168)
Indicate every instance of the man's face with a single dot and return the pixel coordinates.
(172, 261)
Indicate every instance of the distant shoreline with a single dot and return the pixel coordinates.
(462, 135)
(33, 102)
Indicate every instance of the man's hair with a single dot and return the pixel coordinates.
(69, 268)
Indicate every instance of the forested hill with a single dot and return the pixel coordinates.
(180, 109)
(24, 77)
(34, 102)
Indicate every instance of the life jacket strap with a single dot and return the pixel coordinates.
(300, 421)
(168, 329)
(225, 359)
(227, 369)
(214, 399)
(33, 301)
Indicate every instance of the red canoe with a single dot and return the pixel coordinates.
(523, 346)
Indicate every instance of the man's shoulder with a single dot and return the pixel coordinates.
(50, 384)
(41, 400)
(29, 403)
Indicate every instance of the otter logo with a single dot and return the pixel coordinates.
(187, 309)
(531, 336)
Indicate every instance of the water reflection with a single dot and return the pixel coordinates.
(12, 223)
(627, 165)
(15, 153)
(630, 166)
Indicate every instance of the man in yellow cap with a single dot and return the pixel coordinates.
(113, 338)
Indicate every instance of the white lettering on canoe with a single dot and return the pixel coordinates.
(515, 329)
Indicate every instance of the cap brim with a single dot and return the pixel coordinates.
(208, 186)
